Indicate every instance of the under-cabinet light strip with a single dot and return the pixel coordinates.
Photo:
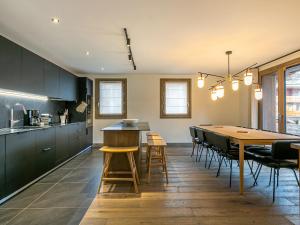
(22, 95)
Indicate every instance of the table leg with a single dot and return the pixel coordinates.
(241, 155)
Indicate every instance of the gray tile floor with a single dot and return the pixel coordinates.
(62, 197)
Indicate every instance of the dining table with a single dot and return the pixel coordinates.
(247, 136)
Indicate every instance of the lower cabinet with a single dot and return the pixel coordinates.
(62, 143)
(45, 151)
(89, 138)
(74, 142)
(20, 160)
(2, 166)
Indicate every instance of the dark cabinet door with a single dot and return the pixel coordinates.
(67, 86)
(62, 143)
(74, 138)
(82, 136)
(51, 76)
(10, 64)
(32, 73)
(2, 166)
(45, 150)
(20, 160)
(89, 138)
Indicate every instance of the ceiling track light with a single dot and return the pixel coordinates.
(128, 43)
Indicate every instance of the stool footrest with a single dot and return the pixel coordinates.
(117, 179)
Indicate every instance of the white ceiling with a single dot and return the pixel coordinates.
(168, 36)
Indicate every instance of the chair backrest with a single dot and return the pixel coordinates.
(222, 142)
(193, 132)
(209, 137)
(200, 134)
(282, 150)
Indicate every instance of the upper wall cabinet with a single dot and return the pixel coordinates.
(67, 86)
(10, 64)
(32, 73)
(51, 78)
(22, 70)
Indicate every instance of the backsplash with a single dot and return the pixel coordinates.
(6, 102)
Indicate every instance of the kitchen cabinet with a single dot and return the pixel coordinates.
(32, 73)
(20, 160)
(82, 136)
(2, 166)
(67, 86)
(51, 79)
(74, 141)
(89, 138)
(10, 64)
(62, 144)
(45, 150)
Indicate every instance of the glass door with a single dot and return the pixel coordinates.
(269, 103)
(292, 100)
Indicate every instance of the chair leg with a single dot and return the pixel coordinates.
(202, 146)
(296, 177)
(257, 174)
(197, 152)
(220, 164)
(274, 181)
(230, 173)
(165, 164)
(107, 158)
(270, 176)
(207, 151)
(132, 167)
(277, 177)
(213, 153)
(149, 164)
(194, 144)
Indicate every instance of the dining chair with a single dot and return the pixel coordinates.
(282, 156)
(194, 139)
(202, 142)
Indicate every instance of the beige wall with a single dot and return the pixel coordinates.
(143, 103)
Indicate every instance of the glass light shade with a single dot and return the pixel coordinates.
(248, 78)
(200, 82)
(220, 91)
(214, 96)
(258, 93)
(235, 85)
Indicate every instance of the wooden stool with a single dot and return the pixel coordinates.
(156, 149)
(150, 137)
(109, 151)
(152, 133)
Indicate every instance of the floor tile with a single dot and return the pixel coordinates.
(55, 176)
(7, 214)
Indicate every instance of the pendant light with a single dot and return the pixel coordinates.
(258, 93)
(248, 78)
(200, 82)
(213, 95)
(235, 85)
(220, 91)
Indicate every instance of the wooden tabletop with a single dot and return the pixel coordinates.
(241, 133)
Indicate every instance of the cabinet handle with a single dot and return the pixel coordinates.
(46, 149)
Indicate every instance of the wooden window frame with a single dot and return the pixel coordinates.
(279, 70)
(163, 115)
(124, 99)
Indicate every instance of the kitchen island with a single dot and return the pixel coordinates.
(120, 135)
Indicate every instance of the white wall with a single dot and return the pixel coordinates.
(143, 102)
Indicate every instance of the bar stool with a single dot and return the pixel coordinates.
(156, 148)
(156, 136)
(152, 133)
(109, 151)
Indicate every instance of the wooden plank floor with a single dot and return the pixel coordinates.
(195, 196)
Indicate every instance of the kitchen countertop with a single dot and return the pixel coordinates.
(6, 131)
(140, 126)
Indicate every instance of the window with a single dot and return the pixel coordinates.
(175, 98)
(111, 98)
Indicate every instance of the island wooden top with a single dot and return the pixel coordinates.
(241, 133)
(140, 126)
(295, 146)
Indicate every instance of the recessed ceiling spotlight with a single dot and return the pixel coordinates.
(87, 53)
(55, 20)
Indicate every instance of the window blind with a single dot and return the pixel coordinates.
(176, 98)
(110, 97)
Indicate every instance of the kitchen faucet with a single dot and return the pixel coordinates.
(13, 122)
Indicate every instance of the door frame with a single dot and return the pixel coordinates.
(279, 70)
